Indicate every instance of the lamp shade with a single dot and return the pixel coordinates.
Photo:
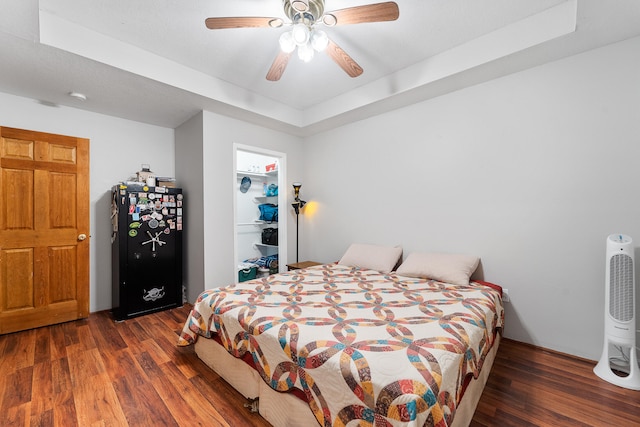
(319, 40)
(296, 190)
(287, 44)
(306, 52)
(300, 33)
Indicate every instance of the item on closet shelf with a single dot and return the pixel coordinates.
(265, 261)
(247, 274)
(245, 184)
(273, 267)
(272, 190)
(268, 212)
(270, 236)
(270, 167)
(247, 271)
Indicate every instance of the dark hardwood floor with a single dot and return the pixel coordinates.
(95, 372)
(530, 386)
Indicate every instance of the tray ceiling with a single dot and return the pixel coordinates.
(155, 61)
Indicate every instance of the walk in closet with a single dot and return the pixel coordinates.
(258, 238)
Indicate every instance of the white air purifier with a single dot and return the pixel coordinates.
(619, 362)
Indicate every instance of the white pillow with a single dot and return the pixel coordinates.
(449, 268)
(372, 257)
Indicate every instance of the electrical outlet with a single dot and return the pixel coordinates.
(505, 295)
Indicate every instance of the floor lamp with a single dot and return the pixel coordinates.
(297, 206)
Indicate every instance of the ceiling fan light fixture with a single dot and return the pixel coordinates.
(303, 17)
(287, 45)
(306, 52)
(300, 5)
(319, 40)
(300, 33)
(329, 20)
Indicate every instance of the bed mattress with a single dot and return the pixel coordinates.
(361, 345)
(287, 410)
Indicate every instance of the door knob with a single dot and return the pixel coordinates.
(81, 237)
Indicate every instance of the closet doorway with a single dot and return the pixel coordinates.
(260, 179)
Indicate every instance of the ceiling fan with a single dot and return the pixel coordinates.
(304, 16)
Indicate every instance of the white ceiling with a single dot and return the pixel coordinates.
(155, 61)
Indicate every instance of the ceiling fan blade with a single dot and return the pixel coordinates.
(341, 58)
(242, 22)
(377, 12)
(278, 66)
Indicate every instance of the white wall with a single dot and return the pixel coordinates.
(118, 147)
(189, 173)
(531, 172)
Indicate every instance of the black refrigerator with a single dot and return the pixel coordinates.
(146, 249)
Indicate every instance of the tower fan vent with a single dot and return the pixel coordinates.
(619, 361)
(621, 288)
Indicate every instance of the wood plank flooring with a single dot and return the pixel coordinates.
(530, 386)
(95, 372)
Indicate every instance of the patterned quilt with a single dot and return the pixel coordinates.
(384, 349)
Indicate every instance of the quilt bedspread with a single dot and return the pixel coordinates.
(383, 349)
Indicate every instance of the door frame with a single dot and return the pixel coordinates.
(282, 201)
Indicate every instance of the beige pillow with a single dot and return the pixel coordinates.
(449, 268)
(372, 257)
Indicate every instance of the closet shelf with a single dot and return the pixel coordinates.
(250, 173)
(258, 222)
(262, 199)
(262, 245)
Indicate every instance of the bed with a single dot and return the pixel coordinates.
(346, 345)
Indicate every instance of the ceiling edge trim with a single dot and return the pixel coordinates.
(68, 36)
(536, 29)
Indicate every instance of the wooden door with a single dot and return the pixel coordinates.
(44, 229)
